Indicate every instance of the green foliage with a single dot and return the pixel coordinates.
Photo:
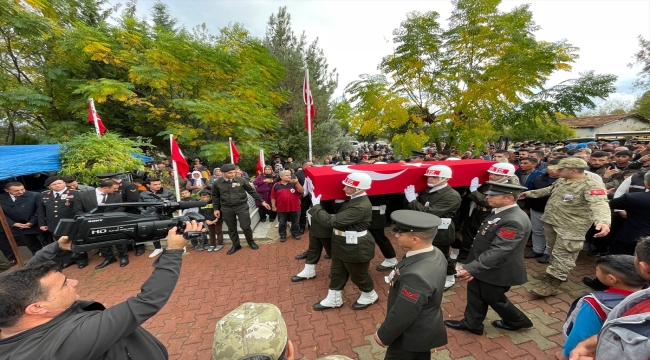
(642, 105)
(542, 130)
(86, 155)
(461, 85)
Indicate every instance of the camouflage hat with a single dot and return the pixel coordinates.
(334, 357)
(570, 162)
(251, 329)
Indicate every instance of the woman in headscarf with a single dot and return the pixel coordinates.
(196, 182)
(216, 174)
(264, 184)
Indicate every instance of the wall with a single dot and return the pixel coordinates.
(628, 124)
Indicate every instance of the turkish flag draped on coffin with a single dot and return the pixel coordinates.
(393, 178)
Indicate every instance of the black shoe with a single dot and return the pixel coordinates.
(233, 250)
(262, 220)
(106, 263)
(594, 284)
(327, 256)
(301, 256)
(69, 263)
(297, 237)
(501, 325)
(299, 278)
(283, 238)
(544, 259)
(253, 245)
(139, 251)
(357, 306)
(302, 231)
(532, 254)
(82, 265)
(382, 267)
(124, 261)
(318, 307)
(458, 325)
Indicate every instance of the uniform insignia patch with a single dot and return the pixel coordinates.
(597, 192)
(134, 190)
(508, 233)
(411, 296)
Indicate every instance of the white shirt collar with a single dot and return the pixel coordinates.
(358, 195)
(60, 192)
(436, 188)
(496, 211)
(13, 198)
(415, 252)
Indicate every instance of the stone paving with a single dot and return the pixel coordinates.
(212, 284)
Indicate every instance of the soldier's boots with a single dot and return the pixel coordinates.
(548, 287)
(542, 275)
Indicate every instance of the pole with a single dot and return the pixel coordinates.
(94, 112)
(310, 101)
(10, 237)
(232, 159)
(176, 186)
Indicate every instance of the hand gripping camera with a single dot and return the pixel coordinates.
(95, 230)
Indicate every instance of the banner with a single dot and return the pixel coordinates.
(393, 178)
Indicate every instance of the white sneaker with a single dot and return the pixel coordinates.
(210, 248)
(155, 253)
(219, 247)
(389, 262)
(450, 280)
(185, 253)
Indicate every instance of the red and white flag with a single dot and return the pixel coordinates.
(260, 162)
(310, 109)
(93, 118)
(234, 154)
(177, 155)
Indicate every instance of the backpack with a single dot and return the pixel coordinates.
(602, 303)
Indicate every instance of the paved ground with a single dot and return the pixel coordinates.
(212, 284)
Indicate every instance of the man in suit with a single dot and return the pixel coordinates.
(56, 204)
(496, 263)
(20, 208)
(106, 193)
(413, 324)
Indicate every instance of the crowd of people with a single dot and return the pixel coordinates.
(564, 198)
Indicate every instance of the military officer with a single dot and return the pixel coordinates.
(129, 193)
(496, 262)
(230, 203)
(320, 236)
(576, 202)
(377, 225)
(56, 204)
(352, 245)
(443, 201)
(413, 324)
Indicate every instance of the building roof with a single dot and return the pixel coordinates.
(596, 121)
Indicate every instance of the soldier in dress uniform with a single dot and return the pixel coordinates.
(352, 245)
(377, 225)
(413, 324)
(56, 204)
(496, 262)
(443, 201)
(320, 236)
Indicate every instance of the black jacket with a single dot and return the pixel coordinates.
(637, 224)
(414, 318)
(225, 194)
(87, 200)
(23, 210)
(87, 330)
(160, 196)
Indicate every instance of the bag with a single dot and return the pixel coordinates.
(602, 303)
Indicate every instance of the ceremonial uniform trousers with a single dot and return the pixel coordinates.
(320, 236)
(229, 197)
(377, 225)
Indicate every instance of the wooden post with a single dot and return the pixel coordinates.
(10, 237)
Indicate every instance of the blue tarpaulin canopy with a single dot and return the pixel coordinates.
(17, 160)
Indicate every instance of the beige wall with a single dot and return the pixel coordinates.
(629, 124)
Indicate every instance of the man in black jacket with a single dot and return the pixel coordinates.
(155, 193)
(413, 324)
(130, 193)
(20, 208)
(637, 212)
(41, 316)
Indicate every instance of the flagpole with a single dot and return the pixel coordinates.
(310, 100)
(94, 112)
(176, 185)
(232, 159)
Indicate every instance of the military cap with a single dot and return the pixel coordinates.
(205, 191)
(51, 179)
(495, 188)
(591, 143)
(114, 175)
(570, 146)
(334, 357)
(410, 220)
(581, 145)
(227, 167)
(570, 162)
(418, 154)
(251, 329)
(615, 142)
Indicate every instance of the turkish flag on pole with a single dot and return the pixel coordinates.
(234, 154)
(177, 156)
(93, 118)
(260, 162)
(393, 178)
(310, 109)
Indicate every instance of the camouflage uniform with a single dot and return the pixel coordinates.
(572, 208)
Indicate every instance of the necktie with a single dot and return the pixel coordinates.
(57, 196)
(103, 198)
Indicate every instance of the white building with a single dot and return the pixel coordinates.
(592, 125)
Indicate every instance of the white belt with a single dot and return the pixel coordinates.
(342, 233)
(376, 207)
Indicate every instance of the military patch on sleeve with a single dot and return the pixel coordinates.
(409, 294)
(597, 192)
(508, 233)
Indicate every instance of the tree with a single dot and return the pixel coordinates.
(161, 17)
(86, 155)
(464, 84)
(642, 105)
(611, 107)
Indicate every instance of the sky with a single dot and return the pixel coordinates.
(355, 35)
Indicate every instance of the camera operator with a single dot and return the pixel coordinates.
(42, 317)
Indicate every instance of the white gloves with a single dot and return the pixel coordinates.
(308, 187)
(410, 194)
(315, 200)
(474, 185)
